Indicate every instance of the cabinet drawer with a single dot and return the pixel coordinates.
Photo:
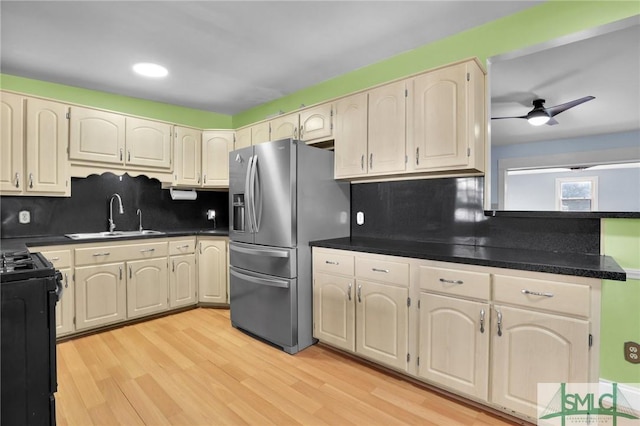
(476, 285)
(372, 268)
(565, 298)
(59, 258)
(186, 246)
(119, 253)
(333, 262)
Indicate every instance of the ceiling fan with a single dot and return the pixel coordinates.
(540, 115)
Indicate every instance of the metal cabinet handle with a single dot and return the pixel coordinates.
(386, 271)
(54, 259)
(130, 273)
(120, 268)
(301, 131)
(499, 322)
(481, 320)
(444, 280)
(349, 291)
(295, 133)
(198, 174)
(184, 246)
(371, 161)
(360, 293)
(121, 153)
(204, 178)
(30, 180)
(417, 156)
(173, 266)
(362, 162)
(536, 293)
(147, 250)
(128, 155)
(17, 180)
(106, 253)
(331, 262)
(66, 281)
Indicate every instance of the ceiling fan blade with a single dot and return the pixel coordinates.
(502, 118)
(555, 110)
(552, 122)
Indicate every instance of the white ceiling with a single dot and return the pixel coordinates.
(606, 66)
(223, 56)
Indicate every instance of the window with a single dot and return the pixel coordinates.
(577, 194)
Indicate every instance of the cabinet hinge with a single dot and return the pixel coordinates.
(408, 357)
(418, 304)
(406, 93)
(331, 125)
(468, 152)
(406, 159)
(408, 301)
(74, 321)
(590, 340)
(68, 115)
(418, 361)
(468, 77)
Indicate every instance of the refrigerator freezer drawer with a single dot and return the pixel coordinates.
(277, 261)
(266, 307)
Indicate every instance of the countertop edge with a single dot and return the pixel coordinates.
(607, 268)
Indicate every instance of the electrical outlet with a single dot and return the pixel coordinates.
(632, 352)
(24, 217)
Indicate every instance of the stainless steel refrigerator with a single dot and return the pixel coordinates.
(282, 195)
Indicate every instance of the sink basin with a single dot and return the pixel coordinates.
(114, 234)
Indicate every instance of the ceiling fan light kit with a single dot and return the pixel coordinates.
(538, 118)
(540, 115)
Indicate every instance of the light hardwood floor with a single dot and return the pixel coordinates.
(193, 368)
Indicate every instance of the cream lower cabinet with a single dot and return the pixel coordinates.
(147, 287)
(213, 265)
(101, 295)
(183, 276)
(358, 314)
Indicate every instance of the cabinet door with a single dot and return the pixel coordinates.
(148, 143)
(182, 281)
(243, 138)
(334, 310)
(147, 287)
(535, 348)
(350, 144)
(439, 119)
(260, 133)
(316, 124)
(216, 146)
(187, 163)
(212, 271)
(11, 143)
(65, 307)
(284, 127)
(454, 343)
(46, 147)
(96, 136)
(100, 295)
(387, 128)
(382, 318)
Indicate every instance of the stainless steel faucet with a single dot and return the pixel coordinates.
(112, 225)
(139, 213)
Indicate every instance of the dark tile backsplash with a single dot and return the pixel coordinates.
(87, 210)
(450, 210)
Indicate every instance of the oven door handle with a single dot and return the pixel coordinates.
(260, 281)
(59, 286)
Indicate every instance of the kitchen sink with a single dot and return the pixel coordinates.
(113, 234)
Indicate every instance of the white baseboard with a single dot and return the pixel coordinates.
(632, 274)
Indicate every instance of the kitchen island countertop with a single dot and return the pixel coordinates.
(577, 264)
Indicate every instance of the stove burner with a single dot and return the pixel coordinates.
(16, 261)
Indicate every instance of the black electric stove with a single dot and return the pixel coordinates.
(29, 289)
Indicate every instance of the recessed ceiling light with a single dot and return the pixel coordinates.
(148, 69)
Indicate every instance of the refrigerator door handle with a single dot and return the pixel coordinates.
(252, 191)
(260, 281)
(247, 195)
(260, 252)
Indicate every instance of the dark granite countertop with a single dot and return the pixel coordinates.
(13, 244)
(583, 265)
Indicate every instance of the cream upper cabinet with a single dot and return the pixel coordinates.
(187, 157)
(148, 143)
(12, 143)
(351, 151)
(96, 136)
(334, 311)
(387, 128)
(216, 146)
(316, 123)
(243, 138)
(47, 135)
(454, 343)
(283, 127)
(447, 119)
(147, 287)
(260, 133)
(212, 271)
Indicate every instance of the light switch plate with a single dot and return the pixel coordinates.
(24, 217)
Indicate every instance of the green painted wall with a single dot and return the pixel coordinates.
(620, 301)
(532, 26)
(124, 104)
